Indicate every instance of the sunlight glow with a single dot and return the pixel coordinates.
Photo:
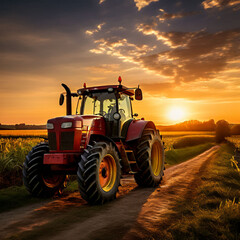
(176, 114)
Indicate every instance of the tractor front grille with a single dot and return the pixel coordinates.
(67, 140)
(52, 141)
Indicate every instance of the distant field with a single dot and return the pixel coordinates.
(44, 132)
(169, 138)
(23, 132)
(184, 133)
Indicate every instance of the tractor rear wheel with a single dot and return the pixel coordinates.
(99, 173)
(37, 178)
(150, 159)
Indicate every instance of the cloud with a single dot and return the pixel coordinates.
(92, 31)
(192, 56)
(121, 48)
(143, 3)
(167, 16)
(221, 4)
(171, 39)
(201, 58)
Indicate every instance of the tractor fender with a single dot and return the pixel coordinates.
(136, 128)
(98, 137)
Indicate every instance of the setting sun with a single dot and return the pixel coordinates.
(176, 114)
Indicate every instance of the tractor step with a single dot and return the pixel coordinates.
(128, 160)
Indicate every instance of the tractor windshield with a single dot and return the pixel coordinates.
(102, 103)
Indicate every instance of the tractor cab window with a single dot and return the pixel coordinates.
(92, 106)
(124, 108)
(103, 104)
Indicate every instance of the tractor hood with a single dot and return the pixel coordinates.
(76, 121)
(72, 133)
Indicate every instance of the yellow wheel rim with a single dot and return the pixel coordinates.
(107, 173)
(156, 161)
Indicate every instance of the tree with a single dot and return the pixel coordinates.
(222, 130)
(235, 130)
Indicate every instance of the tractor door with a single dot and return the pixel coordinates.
(125, 110)
(103, 104)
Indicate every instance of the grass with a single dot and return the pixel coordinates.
(176, 156)
(14, 197)
(214, 212)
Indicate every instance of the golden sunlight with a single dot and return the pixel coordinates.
(176, 114)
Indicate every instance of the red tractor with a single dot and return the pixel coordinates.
(101, 143)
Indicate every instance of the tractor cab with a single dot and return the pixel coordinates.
(113, 103)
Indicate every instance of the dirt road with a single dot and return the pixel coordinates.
(134, 214)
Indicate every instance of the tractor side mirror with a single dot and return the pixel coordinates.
(61, 99)
(138, 94)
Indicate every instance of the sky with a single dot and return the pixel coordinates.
(185, 55)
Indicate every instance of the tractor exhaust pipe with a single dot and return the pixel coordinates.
(69, 99)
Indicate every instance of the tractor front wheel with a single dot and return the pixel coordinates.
(38, 178)
(99, 173)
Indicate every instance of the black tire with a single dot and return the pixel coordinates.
(149, 148)
(90, 172)
(37, 178)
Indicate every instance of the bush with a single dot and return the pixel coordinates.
(222, 130)
(235, 130)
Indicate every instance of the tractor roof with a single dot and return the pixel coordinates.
(119, 88)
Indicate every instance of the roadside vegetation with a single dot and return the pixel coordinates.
(214, 211)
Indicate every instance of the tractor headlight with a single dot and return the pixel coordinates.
(50, 126)
(66, 125)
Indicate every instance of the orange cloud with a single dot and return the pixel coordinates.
(221, 4)
(197, 55)
(172, 39)
(143, 3)
(121, 48)
(92, 31)
(167, 16)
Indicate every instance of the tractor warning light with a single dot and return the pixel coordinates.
(119, 80)
(84, 85)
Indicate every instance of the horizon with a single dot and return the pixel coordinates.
(41, 124)
(184, 55)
